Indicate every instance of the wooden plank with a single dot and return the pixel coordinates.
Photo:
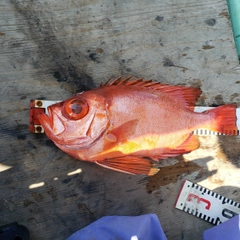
(52, 49)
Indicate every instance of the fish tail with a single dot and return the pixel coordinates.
(224, 119)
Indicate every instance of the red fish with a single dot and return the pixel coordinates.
(122, 124)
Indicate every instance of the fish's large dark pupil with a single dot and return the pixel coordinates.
(76, 108)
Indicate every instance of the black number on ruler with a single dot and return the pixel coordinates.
(228, 213)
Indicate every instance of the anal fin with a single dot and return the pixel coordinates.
(129, 164)
(190, 144)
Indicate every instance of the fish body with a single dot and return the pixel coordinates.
(119, 124)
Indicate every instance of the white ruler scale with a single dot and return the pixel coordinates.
(37, 106)
(206, 204)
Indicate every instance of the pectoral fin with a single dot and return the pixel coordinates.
(129, 164)
(125, 131)
(119, 135)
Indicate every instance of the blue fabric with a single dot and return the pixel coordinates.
(229, 230)
(121, 227)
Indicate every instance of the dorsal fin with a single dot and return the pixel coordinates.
(187, 95)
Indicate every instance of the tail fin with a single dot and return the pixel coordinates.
(224, 119)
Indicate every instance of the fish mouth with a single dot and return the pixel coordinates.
(44, 121)
(51, 122)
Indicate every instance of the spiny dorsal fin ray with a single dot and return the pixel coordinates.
(188, 95)
(124, 81)
(116, 81)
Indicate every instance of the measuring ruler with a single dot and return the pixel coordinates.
(206, 204)
(38, 106)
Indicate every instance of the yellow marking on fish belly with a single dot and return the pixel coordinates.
(147, 142)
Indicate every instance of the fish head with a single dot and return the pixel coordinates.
(77, 122)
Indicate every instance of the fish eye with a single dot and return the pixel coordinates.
(75, 109)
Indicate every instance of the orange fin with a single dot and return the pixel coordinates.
(190, 144)
(187, 95)
(129, 164)
(224, 119)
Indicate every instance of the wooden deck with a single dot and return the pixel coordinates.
(52, 49)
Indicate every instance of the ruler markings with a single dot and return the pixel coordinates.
(206, 204)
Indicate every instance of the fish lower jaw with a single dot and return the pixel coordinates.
(76, 145)
(73, 147)
(45, 122)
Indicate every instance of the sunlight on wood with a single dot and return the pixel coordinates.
(79, 170)
(36, 185)
(4, 167)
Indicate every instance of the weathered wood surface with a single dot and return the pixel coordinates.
(51, 49)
